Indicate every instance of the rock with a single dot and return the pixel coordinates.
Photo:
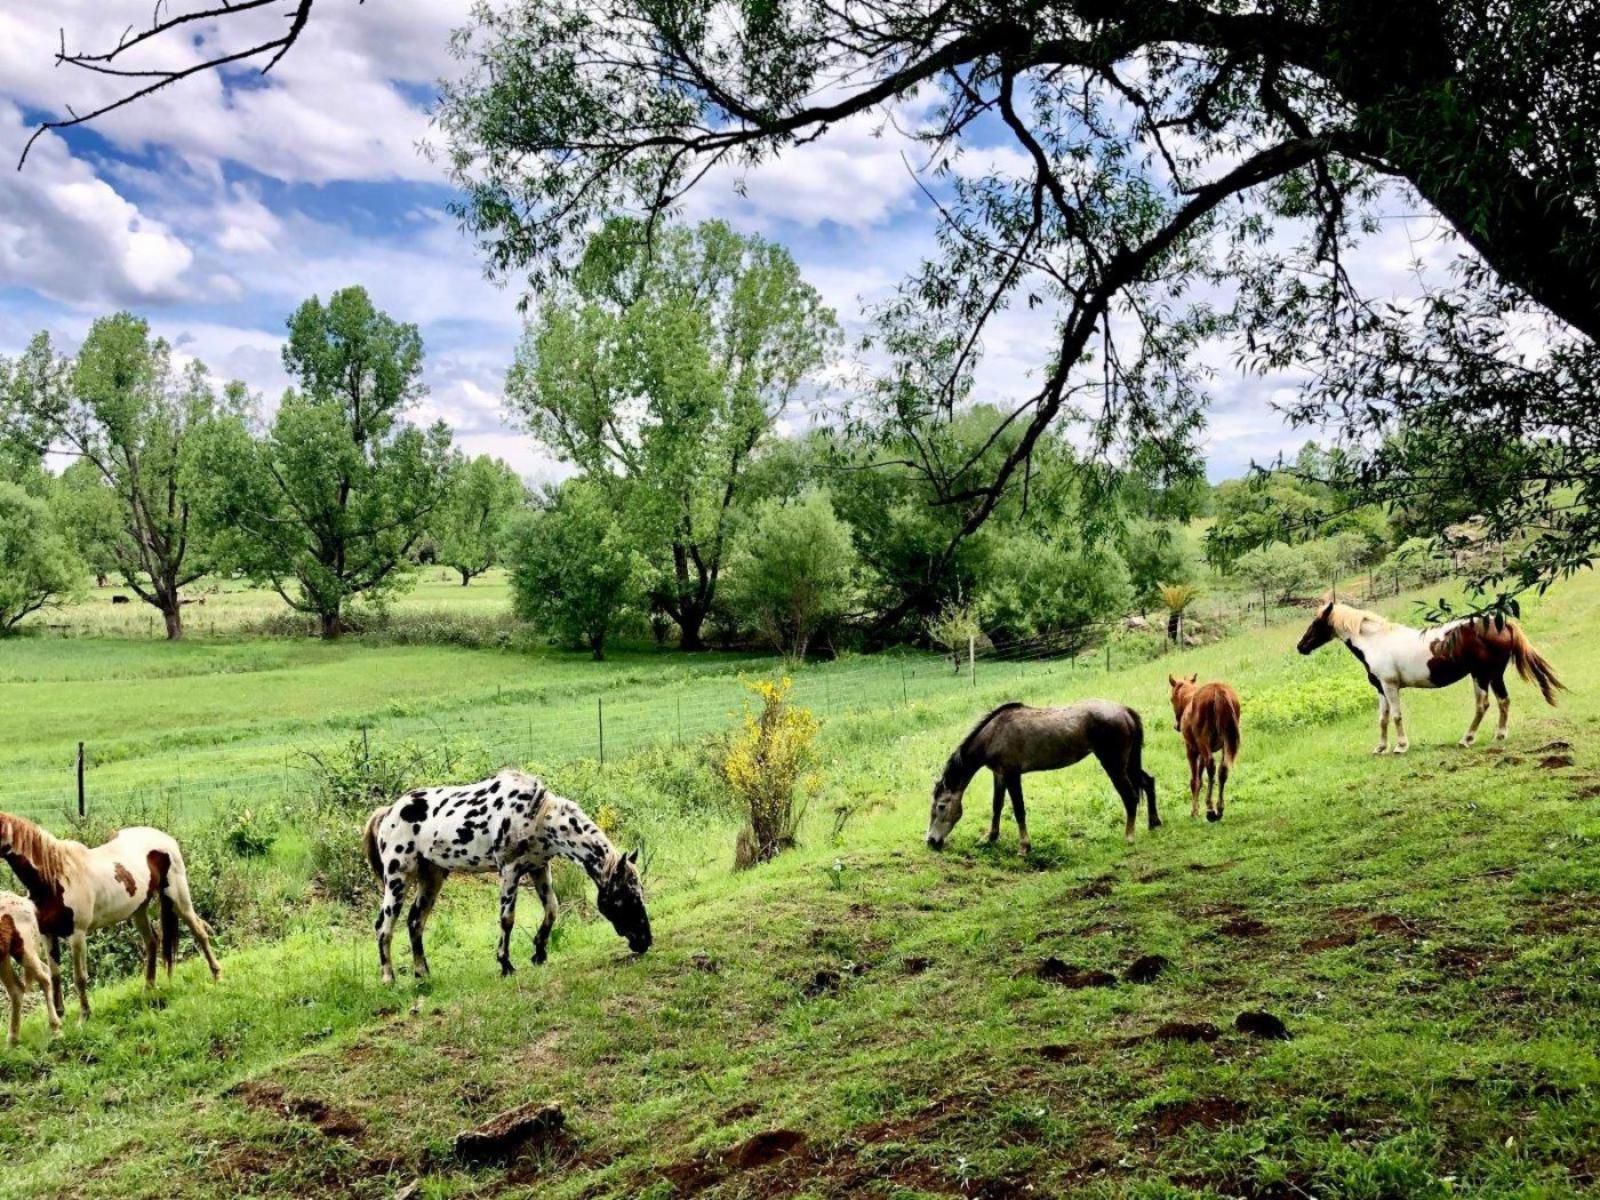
(504, 1137)
(1136, 622)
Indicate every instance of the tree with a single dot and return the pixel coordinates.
(575, 569)
(1155, 554)
(136, 420)
(88, 514)
(37, 567)
(1159, 147)
(659, 369)
(1176, 599)
(792, 570)
(1279, 570)
(340, 488)
(470, 524)
(1038, 586)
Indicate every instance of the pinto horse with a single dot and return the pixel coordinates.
(1207, 715)
(77, 889)
(21, 940)
(510, 824)
(1014, 739)
(1397, 656)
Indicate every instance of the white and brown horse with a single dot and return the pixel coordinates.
(21, 942)
(77, 889)
(1397, 656)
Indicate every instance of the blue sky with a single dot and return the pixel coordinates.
(215, 207)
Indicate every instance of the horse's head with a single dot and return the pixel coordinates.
(1320, 632)
(945, 813)
(621, 901)
(1183, 691)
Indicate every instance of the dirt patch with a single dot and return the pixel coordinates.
(1177, 1031)
(915, 965)
(1555, 762)
(330, 1121)
(1059, 1053)
(1068, 975)
(704, 962)
(1466, 962)
(1152, 876)
(1095, 929)
(1331, 941)
(1261, 1025)
(1243, 927)
(1146, 968)
(1554, 746)
(1213, 1113)
(511, 1133)
(1095, 888)
(825, 982)
(1211, 868)
(762, 1150)
(1390, 923)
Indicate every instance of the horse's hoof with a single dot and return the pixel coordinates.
(1465, 742)
(1381, 750)
(1402, 748)
(1156, 824)
(1024, 850)
(1213, 816)
(507, 969)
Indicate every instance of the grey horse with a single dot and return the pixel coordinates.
(1014, 739)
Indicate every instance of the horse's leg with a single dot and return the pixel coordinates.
(394, 895)
(1401, 745)
(509, 875)
(1383, 722)
(1498, 685)
(141, 918)
(8, 977)
(547, 897)
(1211, 784)
(80, 971)
(999, 804)
(1194, 779)
(1480, 701)
(57, 985)
(36, 972)
(1014, 786)
(430, 879)
(177, 891)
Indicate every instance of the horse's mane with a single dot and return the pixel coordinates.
(1348, 622)
(983, 723)
(42, 851)
(957, 770)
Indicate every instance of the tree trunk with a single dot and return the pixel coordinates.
(174, 619)
(332, 627)
(597, 647)
(1175, 626)
(689, 627)
(466, 576)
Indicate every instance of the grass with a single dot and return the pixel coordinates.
(1424, 926)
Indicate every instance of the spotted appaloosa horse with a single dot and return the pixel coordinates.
(1207, 715)
(510, 824)
(77, 889)
(21, 941)
(1397, 656)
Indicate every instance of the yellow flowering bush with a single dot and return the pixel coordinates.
(765, 765)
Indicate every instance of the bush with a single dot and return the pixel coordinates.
(247, 833)
(792, 569)
(766, 764)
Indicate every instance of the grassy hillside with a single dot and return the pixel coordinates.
(864, 1017)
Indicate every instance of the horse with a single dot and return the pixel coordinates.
(1208, 718)
(20, 939)
(1014, 739)
(1397, 656)
(511, 824)
(78, 890)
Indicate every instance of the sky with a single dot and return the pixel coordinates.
(215, 207)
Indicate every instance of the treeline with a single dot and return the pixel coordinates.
(675, 373)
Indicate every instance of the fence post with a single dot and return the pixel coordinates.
(600, 717)
(905, 695)
(680, 718)
(972, 658)
(1108, 655)
(366, 751)
(82, 810)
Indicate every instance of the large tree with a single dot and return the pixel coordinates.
(134, 417)
(37, 567)
(326, 506)
(470, 523)
(1161, 147)
(659, 368)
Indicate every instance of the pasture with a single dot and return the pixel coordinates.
(863, 1016)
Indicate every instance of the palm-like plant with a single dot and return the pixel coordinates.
(1175, 598)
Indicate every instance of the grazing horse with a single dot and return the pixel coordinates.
(77, 890)
(1014, 739)
(1208, 718)
(20, 939)
(510, 824)
(1397, 656)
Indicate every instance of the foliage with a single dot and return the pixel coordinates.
(792, 569)
(659, 369)
(576, 572)
(766, 763)
(470, 524)
(1280, 570)
(37, 567)
(1155, 553)
(338, 491)
(90, 517)
(136, 421)
(1038, 586)
(248, 832)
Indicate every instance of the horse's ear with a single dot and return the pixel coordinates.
(633, 856)
(1195, 678)
(1171, 682)
(1327, 613)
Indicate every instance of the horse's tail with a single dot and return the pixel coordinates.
(370, 838)
(1531, 665)
(1228, 721)
(169, 931)
(1142, 779)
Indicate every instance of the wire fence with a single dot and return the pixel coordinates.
(606, 726)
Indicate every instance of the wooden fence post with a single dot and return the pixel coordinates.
(82, 808)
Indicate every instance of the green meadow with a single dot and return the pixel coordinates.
(863, 1017)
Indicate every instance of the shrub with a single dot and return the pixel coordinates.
(248, 833)
(792, 569)
(766, 764)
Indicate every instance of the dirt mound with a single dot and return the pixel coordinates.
(1212, 1113)
(1068, 975)
(330, 1121)
(1261, 1025)
(506, 1136)
(1555, 762)
(1095, 888)
(1146, 968)
(760, 1150)
(1243, 927)
(1331, 941)
(1178, 1031)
